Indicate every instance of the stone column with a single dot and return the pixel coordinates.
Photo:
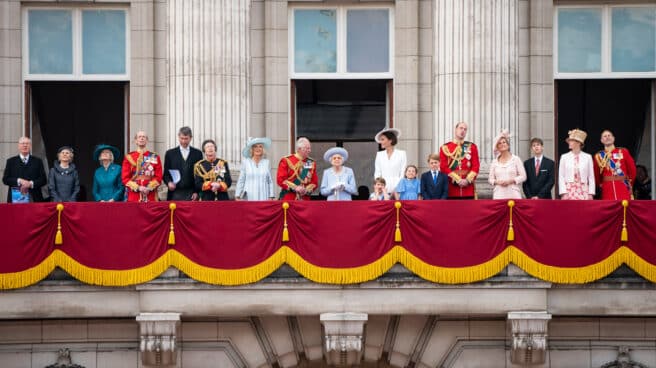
(158, 338)
(343, 335)
(209, 74)
(476, 71)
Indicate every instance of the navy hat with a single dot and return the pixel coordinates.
(101, 147)
(336, 151)
(69, 148)
(246, 152)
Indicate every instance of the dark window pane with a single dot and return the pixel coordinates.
(340, 109)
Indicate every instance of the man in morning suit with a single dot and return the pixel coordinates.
(540, 173)
(181, 159)
(25, 172)
(434, 183)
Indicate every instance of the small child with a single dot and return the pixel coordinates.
(380, 193)
(409, 187)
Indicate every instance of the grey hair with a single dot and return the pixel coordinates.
(186, 131)
(302, 142)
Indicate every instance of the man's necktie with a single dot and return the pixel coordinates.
(434, 177)
(537, 166)
(25, 160)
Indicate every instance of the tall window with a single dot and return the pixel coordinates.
(341, 43)
(605, 41)
(76, 44)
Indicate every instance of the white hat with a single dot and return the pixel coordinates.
(395, 131)
(504, 134)
(246, 151)
(336, 151)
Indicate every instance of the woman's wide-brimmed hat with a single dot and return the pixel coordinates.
(101, 147)
(246, 151)
(503, 134)
(576, 135)
(394, 131)
(336, 151)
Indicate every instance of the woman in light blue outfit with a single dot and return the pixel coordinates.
(255, 182)
(107, 184)
(338, 182)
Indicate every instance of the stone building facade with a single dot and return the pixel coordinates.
(226, 69)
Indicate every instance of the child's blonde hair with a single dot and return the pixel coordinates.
(380, 180)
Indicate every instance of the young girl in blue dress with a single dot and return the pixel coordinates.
(409, 187)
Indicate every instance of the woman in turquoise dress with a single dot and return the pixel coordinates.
(107, 185)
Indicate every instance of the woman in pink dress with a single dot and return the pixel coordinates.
(507, 171)
(575, 173)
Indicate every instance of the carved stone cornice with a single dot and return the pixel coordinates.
(158, 338)
(529, 336)
(343, 337)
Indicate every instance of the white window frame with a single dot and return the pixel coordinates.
(606, 45)
(77, 74)
(341, 19)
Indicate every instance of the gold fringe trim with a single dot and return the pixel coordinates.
(570, 275)
(454, 275)
(15, 280)
(371, 271)
(351, 275)
(96, 276)
(239, 276)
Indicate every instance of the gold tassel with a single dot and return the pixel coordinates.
(285, 232)
(397, 233)
(511, 231)
(172, 207)
(58, 237)
(625, 232)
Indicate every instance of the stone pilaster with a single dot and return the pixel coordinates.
(476, 70)
(529, 336)
(343, 337)
(209, 75)
(158, 332)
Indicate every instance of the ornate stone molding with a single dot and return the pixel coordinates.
(529, 336)
(623, 360)
(158, 338)
(64, 360)
(343, 337)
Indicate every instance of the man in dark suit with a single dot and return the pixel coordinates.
(540, 173)
(434, 183)
(181, 159)
(25, 173)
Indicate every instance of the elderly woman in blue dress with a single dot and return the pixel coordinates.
(107, 184)
(255, 182)
(338, 182)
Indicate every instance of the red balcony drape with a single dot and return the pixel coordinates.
(232, 243)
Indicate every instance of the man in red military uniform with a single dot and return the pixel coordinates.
(615, 169)
(142, 172)
(297, 173)
(459, 160)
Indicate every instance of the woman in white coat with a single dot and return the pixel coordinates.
(390, 162)
(575, 173)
